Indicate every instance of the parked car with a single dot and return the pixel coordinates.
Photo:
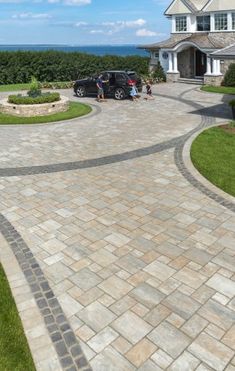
(118, 86)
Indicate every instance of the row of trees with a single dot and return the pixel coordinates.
(18, 67)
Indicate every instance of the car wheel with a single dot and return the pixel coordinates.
(119, 94)
(80, 91)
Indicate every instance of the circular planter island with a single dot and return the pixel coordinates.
(29, 110)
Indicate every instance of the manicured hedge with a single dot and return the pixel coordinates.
(18, 67)
(44, 98)
(229, 78)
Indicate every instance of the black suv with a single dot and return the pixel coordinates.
(118, 86)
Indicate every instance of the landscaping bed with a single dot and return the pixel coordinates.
(219, 89)
(14, 349)
(75, 110)
(213, 154)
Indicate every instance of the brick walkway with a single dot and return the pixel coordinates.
(139, 254)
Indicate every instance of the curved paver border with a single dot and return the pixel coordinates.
(65, 342)
(33, 324)
(205, 186)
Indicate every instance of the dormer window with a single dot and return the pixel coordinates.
(233, 21)
(204, 23)
(221, 22)
(181, 24)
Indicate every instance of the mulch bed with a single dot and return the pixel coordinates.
(228, 128)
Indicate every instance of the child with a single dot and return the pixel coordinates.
(134, 93)
(149, 91)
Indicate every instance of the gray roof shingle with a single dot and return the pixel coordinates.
(202, 41)
(229, 52)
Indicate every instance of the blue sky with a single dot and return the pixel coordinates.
(83, 22)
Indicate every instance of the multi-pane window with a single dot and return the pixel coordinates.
(204, 23)
(181, 24)
(221, 22)
(233, 21)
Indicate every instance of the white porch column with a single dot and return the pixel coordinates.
(218, 67)
(208, 70)
(170, 63)
(175, 69)
(214, 67)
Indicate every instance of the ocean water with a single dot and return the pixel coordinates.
(120, 50)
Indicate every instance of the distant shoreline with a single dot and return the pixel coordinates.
(99, 50)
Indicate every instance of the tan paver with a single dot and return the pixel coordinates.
(141, 261)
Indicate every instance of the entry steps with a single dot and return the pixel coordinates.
(196, 81)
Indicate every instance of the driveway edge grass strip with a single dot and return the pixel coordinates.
(75, 110)
(213, 155)
(219, 89)
(14, 349)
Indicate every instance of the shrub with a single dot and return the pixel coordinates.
(43, 98)
(232, 103)
(229, 78)
(159, 73)
(18, 67)
(34, 90)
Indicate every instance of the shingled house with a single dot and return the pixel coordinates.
(202, 42)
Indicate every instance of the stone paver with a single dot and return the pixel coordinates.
(137, 261)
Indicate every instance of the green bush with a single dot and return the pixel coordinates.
(18, 67)
(229, 78)
(232, 103)
(159, 73)
(34, 90)
(43, 98)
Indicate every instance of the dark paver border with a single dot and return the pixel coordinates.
(105, 160)
(62, 336)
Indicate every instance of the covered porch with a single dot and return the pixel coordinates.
(188, 60)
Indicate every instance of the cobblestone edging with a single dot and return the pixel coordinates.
(67, 347)
(207, 190)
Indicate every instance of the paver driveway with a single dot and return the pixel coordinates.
(141, 261)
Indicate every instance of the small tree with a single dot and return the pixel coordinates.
(159, 73)
(34, 89)
(229, 78)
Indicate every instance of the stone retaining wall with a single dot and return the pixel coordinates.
(28, 110)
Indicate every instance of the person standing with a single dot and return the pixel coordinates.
(149, 91)
(100, 89)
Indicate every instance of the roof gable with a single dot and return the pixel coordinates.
(219, 5)
(178, 7)
(186, 6)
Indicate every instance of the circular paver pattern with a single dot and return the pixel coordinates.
(138, 261)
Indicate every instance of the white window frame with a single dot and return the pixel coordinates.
(179, 21)
(233, 21)
(203, 16)
(219, 22)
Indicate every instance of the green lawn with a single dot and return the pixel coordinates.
(14, 87)
(213, 154)
(219, 89)
(14, 350)
(75, 110)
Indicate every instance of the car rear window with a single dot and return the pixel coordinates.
(121, 76)
(133, 76)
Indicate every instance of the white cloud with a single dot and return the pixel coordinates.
(31, 16)
(145, 33)
(125, 24)
(80, 24)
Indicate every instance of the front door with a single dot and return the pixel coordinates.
(200, 63)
